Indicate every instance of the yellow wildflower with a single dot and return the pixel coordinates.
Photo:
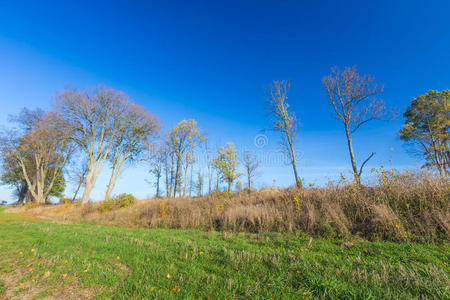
(64, 275)
(176, 289)
(118, 257)
(201, 252)
(32, 250)
(152, 289)
(66, 261)
(168, 276)
(46, 274)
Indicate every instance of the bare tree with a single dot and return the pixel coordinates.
(78, 176)
(41, 153)
(181, 140)
(251, 165)
(199, 184)
(283, 120)
(136, 127)
(93, 116)
(158, 160)
(356, 100)
(209, 163)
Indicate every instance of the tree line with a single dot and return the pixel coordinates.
(88, 129)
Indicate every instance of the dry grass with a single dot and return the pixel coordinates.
(402, 207)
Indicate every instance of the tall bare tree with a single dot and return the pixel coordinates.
(93, 117)
(356, 100)
(158, 160)
(283, 120)
(181, 140)
(251, 165)
(135, 129)
(209, 162)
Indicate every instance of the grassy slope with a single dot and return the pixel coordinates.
(67, 261)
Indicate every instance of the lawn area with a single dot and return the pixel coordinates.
(40, 259)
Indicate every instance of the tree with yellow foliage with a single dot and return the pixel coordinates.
(226, 163)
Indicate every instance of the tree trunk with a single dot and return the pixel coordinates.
(294, 166)
(158, 176)
(176, 179)
(22, 193)
(88, 185)
(352, 156)
(249, 181)
(77, 190)
(190, 181)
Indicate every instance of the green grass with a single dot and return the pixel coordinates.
(41, 259)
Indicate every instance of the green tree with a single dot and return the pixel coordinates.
(426, 128)
(226, 164)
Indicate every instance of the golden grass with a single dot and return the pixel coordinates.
(403, 207)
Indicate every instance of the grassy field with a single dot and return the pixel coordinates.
(40, 259)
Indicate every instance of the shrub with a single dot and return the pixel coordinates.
(65, 200)
(120, 201)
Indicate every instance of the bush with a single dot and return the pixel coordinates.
(120, 201)
(65, 200)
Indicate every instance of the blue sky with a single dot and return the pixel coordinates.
(211, 60)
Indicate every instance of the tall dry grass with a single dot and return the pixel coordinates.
(399, 207)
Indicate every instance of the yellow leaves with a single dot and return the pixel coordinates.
(162, 209)
(226, 162)
(64, 275)
(85, 271)
(46, 274)
(21, 284)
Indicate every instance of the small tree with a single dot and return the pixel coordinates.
(226, 164)
(199, 184)
(283, 120)
(356, 100)
(251, 165)
(41, 155)
(209, 162)
(77, 175)
(157, 161)
(427, 127)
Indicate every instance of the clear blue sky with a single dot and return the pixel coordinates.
(210, 60)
